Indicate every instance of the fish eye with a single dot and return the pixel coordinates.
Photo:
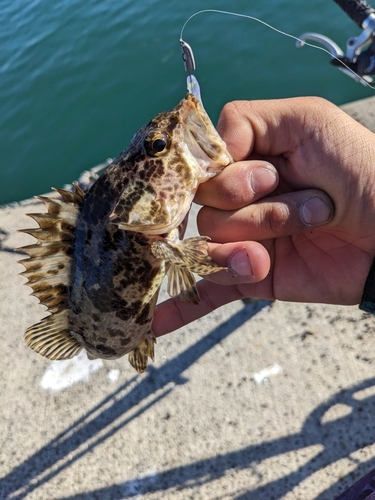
(157, 144)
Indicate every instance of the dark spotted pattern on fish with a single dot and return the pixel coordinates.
(101, 256)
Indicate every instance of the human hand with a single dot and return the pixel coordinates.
(307, 233)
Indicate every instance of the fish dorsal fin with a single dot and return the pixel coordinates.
(48, 273)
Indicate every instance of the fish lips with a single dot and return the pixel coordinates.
(202, 139)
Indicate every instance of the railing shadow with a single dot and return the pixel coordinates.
(100, 422)
(339, 438)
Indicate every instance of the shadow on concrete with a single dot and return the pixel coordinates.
(339, 438)
(100, 422)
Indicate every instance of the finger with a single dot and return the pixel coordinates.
(238, 185)
(282, 215)
(272, 127)
(246, 262)
(236, 130)
(247, 276)
(173, 313)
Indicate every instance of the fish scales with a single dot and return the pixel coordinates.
(101, 256)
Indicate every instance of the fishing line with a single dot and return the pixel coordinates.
(302, 42)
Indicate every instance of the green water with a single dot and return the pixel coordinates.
(77, 79)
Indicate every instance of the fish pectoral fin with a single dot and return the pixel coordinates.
(185, 257)
(51, 338)
(138, 356)
(190, 254)
(182, 284)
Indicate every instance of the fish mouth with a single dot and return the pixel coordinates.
(202, 139)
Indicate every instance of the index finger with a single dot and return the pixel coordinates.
(272, 127)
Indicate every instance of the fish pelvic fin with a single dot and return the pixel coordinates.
(138, 357)
(182, 284)
(48, 273)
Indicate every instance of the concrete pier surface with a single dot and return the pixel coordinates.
(263, 400)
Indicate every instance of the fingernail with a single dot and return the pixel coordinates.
(240, 264)
(262, 179)
(315, 211)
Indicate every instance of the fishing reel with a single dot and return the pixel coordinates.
(359, 60)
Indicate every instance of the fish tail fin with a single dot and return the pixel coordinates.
(138, 357)
(51, 337)
(47, 270)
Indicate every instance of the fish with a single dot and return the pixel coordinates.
(101, 255)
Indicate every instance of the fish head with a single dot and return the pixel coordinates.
(164, 165)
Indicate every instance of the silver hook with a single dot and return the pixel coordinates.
(187, 56)
(189, 63)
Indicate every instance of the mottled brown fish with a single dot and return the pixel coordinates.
(100, 256)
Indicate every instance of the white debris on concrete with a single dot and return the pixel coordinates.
(263, 375)
(113, 375)
(60, 375)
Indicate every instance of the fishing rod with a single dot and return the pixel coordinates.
(360, 50)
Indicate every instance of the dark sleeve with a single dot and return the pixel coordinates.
(368, 298)
(364, 489)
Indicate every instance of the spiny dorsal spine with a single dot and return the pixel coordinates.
(48, 273)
